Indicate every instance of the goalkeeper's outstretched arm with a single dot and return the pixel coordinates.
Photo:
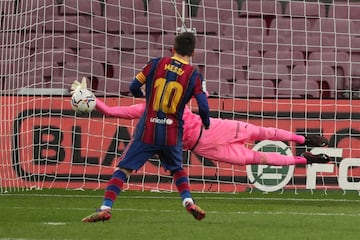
(127, 112)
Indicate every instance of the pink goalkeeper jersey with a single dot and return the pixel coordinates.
(224, 141)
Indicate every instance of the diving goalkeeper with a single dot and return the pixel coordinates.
(225, 140)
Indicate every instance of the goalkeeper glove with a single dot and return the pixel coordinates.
(76, 85)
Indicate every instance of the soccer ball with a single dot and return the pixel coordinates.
(83, 101)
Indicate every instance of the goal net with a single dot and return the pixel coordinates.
(292, 65)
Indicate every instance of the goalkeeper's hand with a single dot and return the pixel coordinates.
(76, 85)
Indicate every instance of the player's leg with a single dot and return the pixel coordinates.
(172, 160)
(134, 157)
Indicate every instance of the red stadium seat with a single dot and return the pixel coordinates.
(153, 25)
(240, 58)
(89, 69)
(101, 55)
(204, 57)
(298, 89)
(287, 58)
(253, 88)
(344, 10)
(245, 28)
(80, 7)
(132, 41)
(260, 8)
(113, 25)
(7, 7)
(337, 31)
(340, 61)
(305, 9)
(125, 8)
(213, 9)
(82, 40)
(21, 23)
(59, 56)
(218, 80)
(289, 28)
(142, 56)
(268, 72)
(324, 75)
(67, 24)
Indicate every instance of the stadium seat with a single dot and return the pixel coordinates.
(274, 73)
(213, 9)
(80, 7)
(340, 61)
(245, 28)
(204, 57)
(324, 75)
(63, 82)
(113, 87)
(289, 27)
(260, 8)
(120, 82)
(253, 88)
(125, 8)
(287, 58)
(337, 31)
(67, 24)
(112, 25)
(354, 83)
(132, 41)
(166, 41)
(298, 89)
(298, 34)
(217, 82)
(21, 23)
(344, 10)
(82, 40)
(60, 56)
(89, 69)
(153, 25)
(6, 7)
(142, 56)
(305, 9)
(101, 55)
(208, 16)
(240, 58)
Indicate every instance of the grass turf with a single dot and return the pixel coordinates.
(57, 214)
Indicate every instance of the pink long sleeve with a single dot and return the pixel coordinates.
(127, 112)
(192, 128)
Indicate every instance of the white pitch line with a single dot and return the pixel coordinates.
(197, 197)
(326, 214)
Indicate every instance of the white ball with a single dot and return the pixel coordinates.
(83, 101)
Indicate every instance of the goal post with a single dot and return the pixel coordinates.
(292, 65)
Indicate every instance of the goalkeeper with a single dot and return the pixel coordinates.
(225, 140)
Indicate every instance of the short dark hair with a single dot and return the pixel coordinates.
(185, 44)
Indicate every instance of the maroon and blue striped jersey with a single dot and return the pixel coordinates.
(170, 83)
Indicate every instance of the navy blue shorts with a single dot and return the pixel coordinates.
(137, 153)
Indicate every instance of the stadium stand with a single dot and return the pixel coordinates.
(246, 35)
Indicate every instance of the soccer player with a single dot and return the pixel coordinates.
(225, 140)
(170, 83)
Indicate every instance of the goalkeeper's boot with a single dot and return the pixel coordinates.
(195, 210)
(315, 141)
(319, 158)
(99, 215)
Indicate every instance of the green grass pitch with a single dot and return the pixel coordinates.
(57, 214)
